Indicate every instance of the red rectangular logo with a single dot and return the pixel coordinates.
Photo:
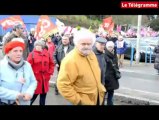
(139, 5)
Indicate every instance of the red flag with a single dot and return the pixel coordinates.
(45, 27)
(107, 22)
(11, 21)
(110, 29)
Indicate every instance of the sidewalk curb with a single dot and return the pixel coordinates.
(127, 98)
(134, 100)
(52, 84)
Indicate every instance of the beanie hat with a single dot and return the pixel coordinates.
(15, 42)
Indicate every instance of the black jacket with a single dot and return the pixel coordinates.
(111, 83)
(59, 53)
(102, 63)
(31, 40)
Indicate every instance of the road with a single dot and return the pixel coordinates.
(140, 81)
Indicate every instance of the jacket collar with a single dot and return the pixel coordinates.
(96, 51)
(109, 54)
(90, 56)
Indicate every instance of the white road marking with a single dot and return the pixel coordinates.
(137, 71)
(141, 91)
(52, 82)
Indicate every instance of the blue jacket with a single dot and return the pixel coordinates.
(121, 50)
(10, 85)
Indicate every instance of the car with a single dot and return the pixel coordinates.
(145, 47)
(152, 41)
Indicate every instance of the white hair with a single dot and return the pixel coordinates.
(109, 43)
(82, 34)
(39, 43)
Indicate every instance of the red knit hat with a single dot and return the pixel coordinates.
(15, 42)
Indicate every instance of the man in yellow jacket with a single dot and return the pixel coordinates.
(79, 76)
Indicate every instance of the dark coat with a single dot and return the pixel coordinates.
(11, 36)
(111, 83)
(59, 53)
(31, 40)
(156, 51)
(102, 63)
(71, 41)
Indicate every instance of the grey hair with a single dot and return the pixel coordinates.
(40, 43)
(82, 34)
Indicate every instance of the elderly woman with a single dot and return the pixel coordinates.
(43, 67)
(17, 80)
(111, 82)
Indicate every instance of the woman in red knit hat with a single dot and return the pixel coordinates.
(17, 80)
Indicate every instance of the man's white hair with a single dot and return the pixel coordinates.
(83, 33)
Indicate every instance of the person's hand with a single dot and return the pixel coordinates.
(19, 96)
(27, 96)
(57, 65)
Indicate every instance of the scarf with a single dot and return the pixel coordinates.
(15, 65)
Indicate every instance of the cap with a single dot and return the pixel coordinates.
(101, 40)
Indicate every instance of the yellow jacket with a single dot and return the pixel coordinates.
(79, 79)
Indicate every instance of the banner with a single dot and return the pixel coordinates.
(11, 21)
(111, 28)
(107, 22)
(45, 27)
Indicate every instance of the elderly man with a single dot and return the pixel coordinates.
(99, 52)
(79, 78)
(61, 51)
(17, 80)
(17, 32)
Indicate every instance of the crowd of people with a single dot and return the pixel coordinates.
(87, 65)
